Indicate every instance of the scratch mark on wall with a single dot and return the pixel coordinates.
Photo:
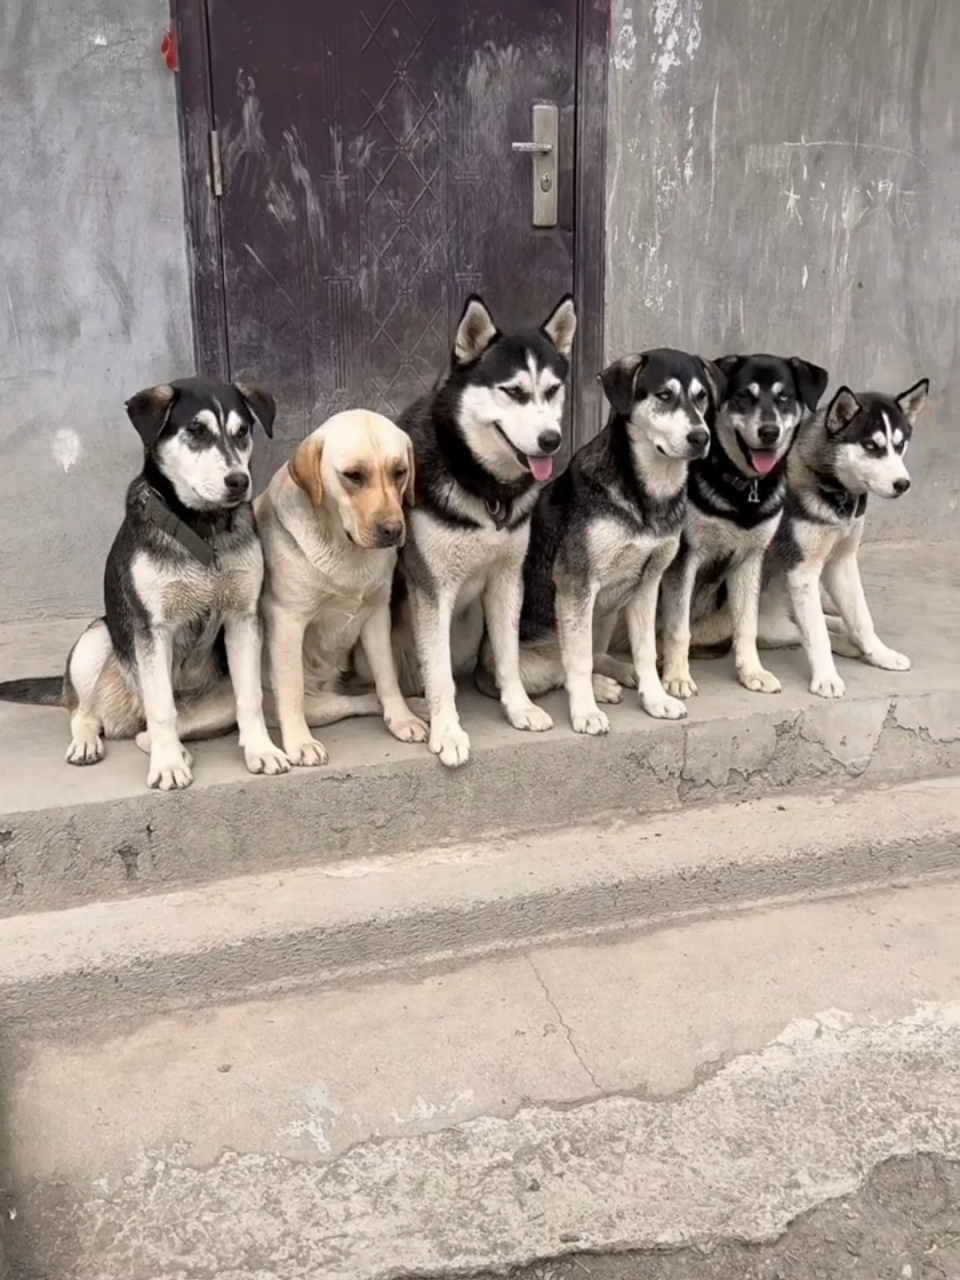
(676, 29)
(14, 327)
(856, 144)
(270, 276)
(625, 46)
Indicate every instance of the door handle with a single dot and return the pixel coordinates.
(542, 149)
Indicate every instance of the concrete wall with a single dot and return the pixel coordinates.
(785, 175)
(93, 281)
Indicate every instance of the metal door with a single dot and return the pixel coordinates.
(365, 180)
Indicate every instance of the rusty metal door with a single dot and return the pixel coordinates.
(367, 182)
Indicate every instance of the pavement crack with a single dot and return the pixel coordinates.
(560, 1019)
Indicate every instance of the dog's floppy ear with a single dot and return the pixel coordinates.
(844, 407)
(475, 332)
(728, 365)
(261, 402)
(811, 381)
(561, 324)
(619, 382)
(715, 378)
(149, 410)
(304, 468)
(410, 487)
(912, 401)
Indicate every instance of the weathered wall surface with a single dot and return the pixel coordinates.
(94, 296)
(785, 175)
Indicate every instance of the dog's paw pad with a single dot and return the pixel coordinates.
(680, 686)
(530, 718)
(452, 746)
(828, 686)
(270, 760)
(409, 729)
(595, 723)
(665, 708)
(760, 681)
(307, 755)
(606, 689)
(82, 751)
(889, 660)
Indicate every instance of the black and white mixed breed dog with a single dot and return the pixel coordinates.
(850, 450)
(484, 440)
(602, 535)
(736, 498)
(177, 653)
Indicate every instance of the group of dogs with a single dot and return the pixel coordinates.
(712, 509)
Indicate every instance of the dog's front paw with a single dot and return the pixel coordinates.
(530, 718)
(888, 659)
(307, 755)
(266, 758)
(407, 728)
(663, 708)
(85, 749)
(759, 681)
(828, 686)
(170, 769)
(595, 723)
(451, 744)
(606, 689)
(680, 684)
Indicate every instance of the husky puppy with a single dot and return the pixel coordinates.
(604, 532)
(736, 495)
(484, 440)
(178, 650)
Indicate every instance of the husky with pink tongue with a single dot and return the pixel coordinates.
(485, 439)
(736, 495)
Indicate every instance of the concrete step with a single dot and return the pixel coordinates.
(706, 1081)
(69, 836)
(323, 926)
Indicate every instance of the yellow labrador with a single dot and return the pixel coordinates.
(331, 522)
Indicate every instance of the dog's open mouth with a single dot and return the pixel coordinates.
(539, 465)
(763, 461)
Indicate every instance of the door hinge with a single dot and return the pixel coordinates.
(216, 168)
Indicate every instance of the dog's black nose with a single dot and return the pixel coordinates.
(698, 438)
(389, 533)
(901, 486)
(548, 441)
(768, 434)
(236, 483)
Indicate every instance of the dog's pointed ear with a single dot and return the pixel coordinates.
(149, 410)
(619, 382)
(716, 380)
(561, 324)
(728, 365)
(913, 400)
(475, 332)
(410, 487)
(304, 468)
(811, 381)
(262, 404)
(844, 407)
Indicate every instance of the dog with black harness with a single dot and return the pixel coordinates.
(177, 653)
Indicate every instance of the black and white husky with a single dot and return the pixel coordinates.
(736, 495)
(604, 532)
(846, 452)
(484, 439)
(177, 653)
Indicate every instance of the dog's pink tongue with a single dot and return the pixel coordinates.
(542, 468)
(764, 460)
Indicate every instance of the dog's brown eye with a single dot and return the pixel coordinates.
(517, 394)
(664, 396)
(196, 430)
(353, 477)
(551, 392)
(401, 475)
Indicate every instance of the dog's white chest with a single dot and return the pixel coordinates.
(189, 592)
(618, 561)
(463, 559)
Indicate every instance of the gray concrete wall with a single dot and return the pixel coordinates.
(785, 175)
(94, 296)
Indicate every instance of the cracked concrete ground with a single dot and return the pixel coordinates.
(904, 1224)
(704, 1083)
